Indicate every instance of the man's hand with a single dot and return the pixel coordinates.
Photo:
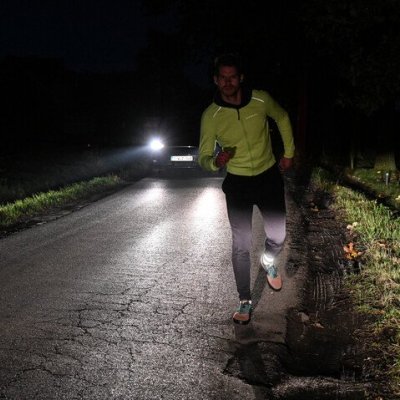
(222, 158)
(285, 164)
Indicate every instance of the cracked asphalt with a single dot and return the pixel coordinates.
(131, 297)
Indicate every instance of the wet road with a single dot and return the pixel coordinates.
(130, 298)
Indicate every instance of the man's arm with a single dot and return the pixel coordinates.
(281, 117)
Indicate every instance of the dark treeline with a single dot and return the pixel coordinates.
(334, 64)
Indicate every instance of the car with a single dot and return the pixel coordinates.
(176, 157)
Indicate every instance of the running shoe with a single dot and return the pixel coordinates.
(242, 315)
(273, 277)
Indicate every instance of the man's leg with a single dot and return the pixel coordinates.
(275, 231)
(240, 218)
(274, 225)
(272, 206)
(273, 211)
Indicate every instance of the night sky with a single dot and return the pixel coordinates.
(88, 35)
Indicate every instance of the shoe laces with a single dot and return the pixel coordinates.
(271, 270)
(244, 306)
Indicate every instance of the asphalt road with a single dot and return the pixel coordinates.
(131, 297)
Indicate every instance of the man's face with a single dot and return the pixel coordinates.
(228, 81)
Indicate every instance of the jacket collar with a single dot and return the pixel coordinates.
(246, 97)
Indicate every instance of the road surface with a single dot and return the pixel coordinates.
(131, 297)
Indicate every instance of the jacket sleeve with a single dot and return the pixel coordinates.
(207, 143)
(281, 117)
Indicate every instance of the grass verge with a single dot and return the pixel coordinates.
(375, 182)
(15, 212)
(374, 232)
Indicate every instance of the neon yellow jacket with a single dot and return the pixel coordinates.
(244, 127)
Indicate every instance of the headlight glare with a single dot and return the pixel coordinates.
(156, 144)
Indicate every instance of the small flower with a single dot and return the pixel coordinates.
(350, 227)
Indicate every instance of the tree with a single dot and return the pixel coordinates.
(359, 40)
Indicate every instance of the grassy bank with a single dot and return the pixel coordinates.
(373, 279)
(44, 169)
(15, 212)
(383, 187)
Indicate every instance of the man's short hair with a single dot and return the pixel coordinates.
(228, 60)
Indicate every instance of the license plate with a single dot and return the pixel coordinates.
(181, 158)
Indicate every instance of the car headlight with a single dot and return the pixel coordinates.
(156, 144)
